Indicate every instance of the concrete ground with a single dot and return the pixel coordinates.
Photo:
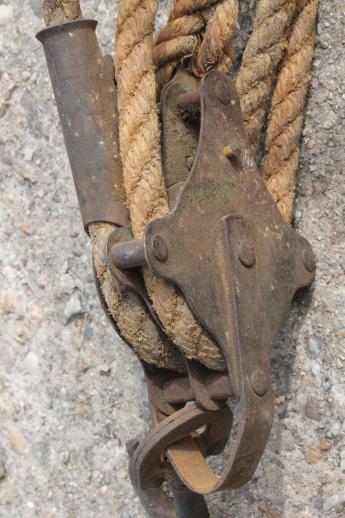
(71, 393)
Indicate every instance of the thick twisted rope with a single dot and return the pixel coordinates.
(216, 48)
(261, 58)
(203, 30)
(142, 169)
(280, 163)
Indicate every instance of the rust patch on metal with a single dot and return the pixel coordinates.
(85, 92)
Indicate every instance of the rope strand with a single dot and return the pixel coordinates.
(280, 163)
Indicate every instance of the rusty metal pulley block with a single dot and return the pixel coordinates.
(224, 245)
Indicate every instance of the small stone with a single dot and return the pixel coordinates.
(311, 144)
(105, 370)
(311, 409)
(330, 121)
(17, 441)
(26, 229)
(88, 332)
(312, 454)
(287, 441)
(323, 43)
(316, 369)
(7, 305)
(339, 363)
(333, 431)
(30, 174)
(103, 490)
(31, 361)
(49, 403)
(73, 309)
(333, 501)
(6, 14)
(280, 400)
(328, 124)
(325, 444)
(29, 153)
(314, 348)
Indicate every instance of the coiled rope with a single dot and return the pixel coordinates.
(273, 82)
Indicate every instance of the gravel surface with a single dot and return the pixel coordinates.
(71, 394)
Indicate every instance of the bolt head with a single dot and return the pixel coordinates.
(247, 254)
(159, 248)
(309, 260)
(228, 152)
(259, 382)
(222, 92)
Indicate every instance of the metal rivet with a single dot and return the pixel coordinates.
(159, 248)
(309, 260)
(246, 254)
(232, 153)
(228, 152)
(222, 92)
(259, 382)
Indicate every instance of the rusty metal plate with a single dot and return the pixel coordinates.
(179, 135)
(238, 264)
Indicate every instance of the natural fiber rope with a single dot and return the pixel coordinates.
(203, 29)
(57, 11)
(283, 36)
(280, 163)
(142, 169)
(261, 58)
(216, 48)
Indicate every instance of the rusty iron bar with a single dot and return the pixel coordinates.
(128, 254)
(156, 502)
(179, 390)
(85, 93)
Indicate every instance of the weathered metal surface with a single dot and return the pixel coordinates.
(172, 430)
(156, 502)
(197, 375)
(228, 249)
(130, 279)
(179, 390)
(179, 135)
(85, 93)
(128, 254)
